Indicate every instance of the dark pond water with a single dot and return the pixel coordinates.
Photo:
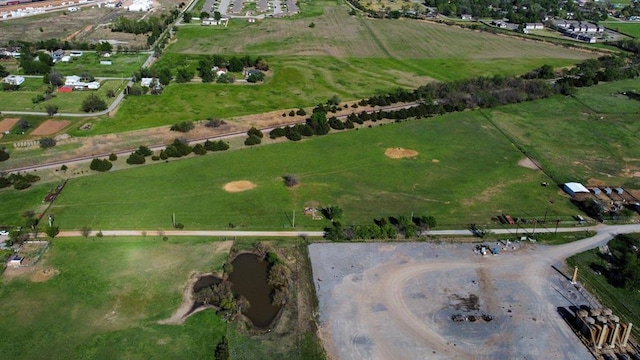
(249, 279)
(206, 281)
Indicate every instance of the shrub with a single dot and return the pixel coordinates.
(4, 155)
(290, 180)
(252, 140)
(37, 99)
(47, 142)
(155, 158)
(136, 159)
(144, 151)
(216, 145)
(277, 132)
(64, 168)
(199, 149)
(292, 113)
(113, 157)
(214, 123)
(101, 165)
(21, 185)
(255, 132)
(301, 112)
(184, 126)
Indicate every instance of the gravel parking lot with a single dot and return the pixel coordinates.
(444, 301)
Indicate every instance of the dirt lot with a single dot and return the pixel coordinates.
(50, 127)
(398, 301)
(7, 124)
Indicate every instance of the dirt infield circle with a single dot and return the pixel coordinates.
(50, 127)
(238, 186)
(399, 153)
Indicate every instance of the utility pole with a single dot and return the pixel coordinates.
(535, 222)
(557, 222)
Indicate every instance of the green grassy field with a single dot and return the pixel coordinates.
(628, 28)
(106, 301)
(123, 65)
(66, 102)
(458, 181)
(589, 135)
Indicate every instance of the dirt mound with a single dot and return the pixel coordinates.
(50, 127)
(399, 153)
(595, 182)
(238, 186)
(529, 164)
(44, 275)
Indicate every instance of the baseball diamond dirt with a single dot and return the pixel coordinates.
(447, 301)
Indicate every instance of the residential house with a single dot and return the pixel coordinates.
(57, 55)
(14, 80)
(533, 26)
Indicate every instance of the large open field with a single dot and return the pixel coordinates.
(123, 65)
(102, 298)
(589, 135)
(345, 55)
(628, 28)
(466, 171)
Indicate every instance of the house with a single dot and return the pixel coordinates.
(533, 26)
(94, 85)
(72, 80)
(75, 53)
(146, 82)
(499, 23)
(14, 80)
(57, 55)
(574, 189)
(465, 17)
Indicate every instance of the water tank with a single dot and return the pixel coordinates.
(595, 312)
(590, 320)
(601, 319)
(582, 313)
(614, 319)
(606, 311)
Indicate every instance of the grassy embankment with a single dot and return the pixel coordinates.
(628, 28)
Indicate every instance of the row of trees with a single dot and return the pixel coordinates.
(18, 181)
(55, 44)
(153, 26)
(384, 228)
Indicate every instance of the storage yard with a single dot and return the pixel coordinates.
(446, 301)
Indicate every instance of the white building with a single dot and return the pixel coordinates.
(14, 80)
(574, 188)
(72, 80)
(146, 82)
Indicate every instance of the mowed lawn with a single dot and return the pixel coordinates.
(628, 28)
(592, 135)
(106, 299)
(122, 65)
(466, 171)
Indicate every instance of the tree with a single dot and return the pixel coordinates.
(113, 157)
(204, 15)
(4, 154)
(45, 58)
(252, 140)
(332, 213)
(255, 76)
(52, 231)
(54, 78)
(100, 165)
(290, 180)
(47, 142)
(255, 132)
(184, 75)
(222, 349)
(235, 65)
(262, 64)
(3, 71)
(186, 17)
(184, 126)
(135, 159)
(217, 16)
(204, 70)
(165, 76)
(93, 103)
(85, 231)
(51, 109)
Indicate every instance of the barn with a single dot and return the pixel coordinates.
(574, 188)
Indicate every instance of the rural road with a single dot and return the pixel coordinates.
(602, 230)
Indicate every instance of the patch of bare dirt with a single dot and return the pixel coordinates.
(238, 186)
(529, 164)
(399, 153)
(435, 161)
(595, 182)
(8, 124)
(42, 275)
(50, 127)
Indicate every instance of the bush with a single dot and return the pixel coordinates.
(47, 142)
(252, 140)
(184, 126)
(301, 112)
(255, 132)
(290, 180)
(101, 165)
(113, 157)
(136, 159)
(216, 145)
(214, 123)
(155, 158)
(144, 151)
(292, 113)
(93, 103)
(37, 99)
(21, 185)
(277, 132)
(4, 155)
(199, 149)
